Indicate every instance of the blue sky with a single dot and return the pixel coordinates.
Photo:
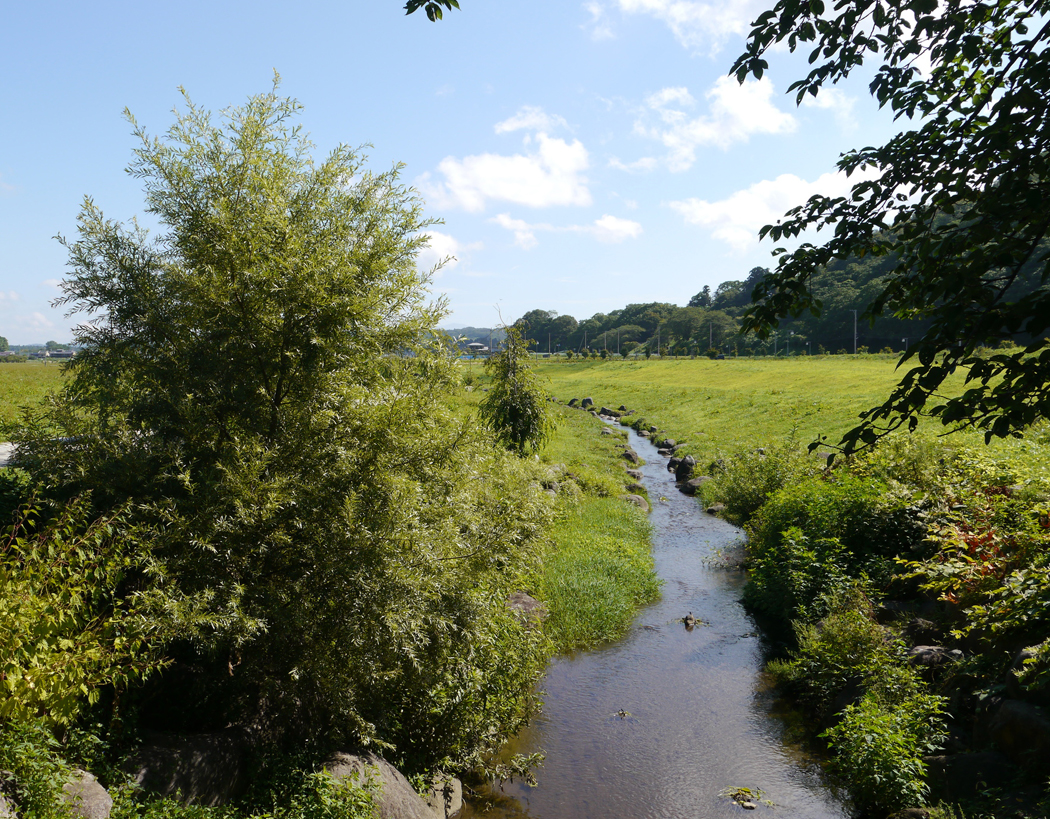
(582, 155)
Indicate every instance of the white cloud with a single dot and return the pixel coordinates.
(52, 283)
(530, 118)
(9, 297)
(524, 236)
(613, 229)
(700, 26)
(737, 219)
(38, 321)
(839, 103)
(441, 247)
(550, 174)
(736, 111)
(598, 25)
(608, 229)
(646, 163)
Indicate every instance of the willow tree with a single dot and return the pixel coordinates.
(517, 407)
(255, 383)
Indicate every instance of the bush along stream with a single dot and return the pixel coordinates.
(907, 595)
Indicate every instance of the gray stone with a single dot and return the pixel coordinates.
(607, 431)
(634, 473)
(684, 471)
(7, 808)
(933, 656)
(635, 488)
(396, 799)
(527, 606)
(715, 508)
(610, 412)
(672, 464)
(960, 776)
(587, 402)
(638, 501)
(631, 456)
(692, 486)
(445, 796)
(1022, 732)
(86, 797)
(205, 769)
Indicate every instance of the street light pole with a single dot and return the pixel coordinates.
(854, 331)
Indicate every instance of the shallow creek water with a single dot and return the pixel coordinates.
(701, 719)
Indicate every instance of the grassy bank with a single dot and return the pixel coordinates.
(597, 567)
(598, 570)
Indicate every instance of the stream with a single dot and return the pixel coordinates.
(700, 717)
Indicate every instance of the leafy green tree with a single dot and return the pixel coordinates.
(3, 345)
(957, 199)
(517, 408)
(701, 299)
(51, 346)
(261, 385)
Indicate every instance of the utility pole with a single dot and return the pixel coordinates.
(854, 331)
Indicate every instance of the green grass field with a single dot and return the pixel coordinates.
(738, 403)
(26, 383)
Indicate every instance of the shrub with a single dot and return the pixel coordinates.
(795, 575)
(847, 648)
(745, 481)
(872, 523)
(879, 746)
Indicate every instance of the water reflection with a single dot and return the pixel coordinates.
(697, 718)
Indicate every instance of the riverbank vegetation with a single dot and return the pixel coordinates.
(913, 576)
(252, 507)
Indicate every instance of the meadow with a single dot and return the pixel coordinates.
(25, 384)
(728, 406)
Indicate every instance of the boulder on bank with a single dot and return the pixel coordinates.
(86, 798)
(587, 402)
(610, 412)
(956, 777)
(638, 501)
(634, 473)
(204, 769)
(933, 656)
(631, 456)
(445, 796)
(684, 469)
(1022, 732)
(395, 798)
(692, 486)
(526, 606)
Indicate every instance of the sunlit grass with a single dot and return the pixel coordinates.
(25, 384)
(737, 403)
(598, 573)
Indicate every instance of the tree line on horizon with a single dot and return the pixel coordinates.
(711, 320)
